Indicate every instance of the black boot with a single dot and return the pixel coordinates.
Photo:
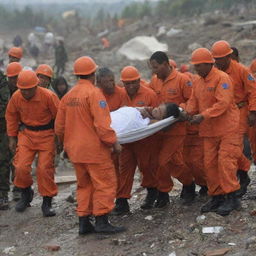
(230, 203)
(162, 200)
(150, 198)
(85, 226)
(244, 182)
(47, 207)
(213, 204)
(121, 207)
(26, 197)
(188, 193)
(203, 191)
(102, 225)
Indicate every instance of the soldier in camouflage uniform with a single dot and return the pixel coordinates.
(5, 155)
(7, 88)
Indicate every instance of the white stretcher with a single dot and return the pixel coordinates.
(144, 132)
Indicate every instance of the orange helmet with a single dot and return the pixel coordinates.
(184, 68)
(16, 52)
(45, 70)
(253, 66)
(173, 63)
(201, 55)
(84, 66)
(129, 73)
(221, 49)
(13, 69)
(27, 79)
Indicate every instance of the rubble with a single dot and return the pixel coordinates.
(141, 47)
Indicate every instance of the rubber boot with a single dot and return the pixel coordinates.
(231, 202)
(122, 206)
(162, 200)
(213, 204)
(26, 197)
(188, 193)
(47, 207)
(4, 202)
(102, 225)
(150, 198)
(203, 191)
(85, 226)
(244, 182)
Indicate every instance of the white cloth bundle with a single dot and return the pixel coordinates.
(130, 126)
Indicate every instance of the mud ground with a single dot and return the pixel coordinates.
(175, 230)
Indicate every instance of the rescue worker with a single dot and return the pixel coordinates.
(171, 86)
(45, 73)
(33, 108)
(15, 54)
(134, 154)
(212, 105)
(245, 98)
(115, 97)
(83, 125)
(6, 89)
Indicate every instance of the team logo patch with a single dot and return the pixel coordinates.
(103, 104)
(189, 83)
(225, 86)
(250, 77)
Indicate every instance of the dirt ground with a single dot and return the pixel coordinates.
(175, 230)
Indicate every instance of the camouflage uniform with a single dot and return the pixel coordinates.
(5, 155)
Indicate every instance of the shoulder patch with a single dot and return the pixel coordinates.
(250, 77)
(103, 103)
(189, 83)
(225, 86)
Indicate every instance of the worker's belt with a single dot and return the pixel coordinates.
(241, 104)
(44, 127)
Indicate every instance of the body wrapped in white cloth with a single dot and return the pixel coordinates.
(130, 126)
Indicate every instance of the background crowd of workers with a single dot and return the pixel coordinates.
(40, 116)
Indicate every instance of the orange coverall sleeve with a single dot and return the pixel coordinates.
(13, 118)
(53, 105)
(59, 126)
(186, 87)
(101, 118)
(191, 106)
(224, 95)
(250, 86)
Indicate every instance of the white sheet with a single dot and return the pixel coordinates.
(128, 130)
(126, 119)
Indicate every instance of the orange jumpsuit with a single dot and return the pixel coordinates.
(116, 101)
(39, 110)
(193, 151)
(213, 97)
(83, 120)
(245, 98)
(141, 153)
(176, 88)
